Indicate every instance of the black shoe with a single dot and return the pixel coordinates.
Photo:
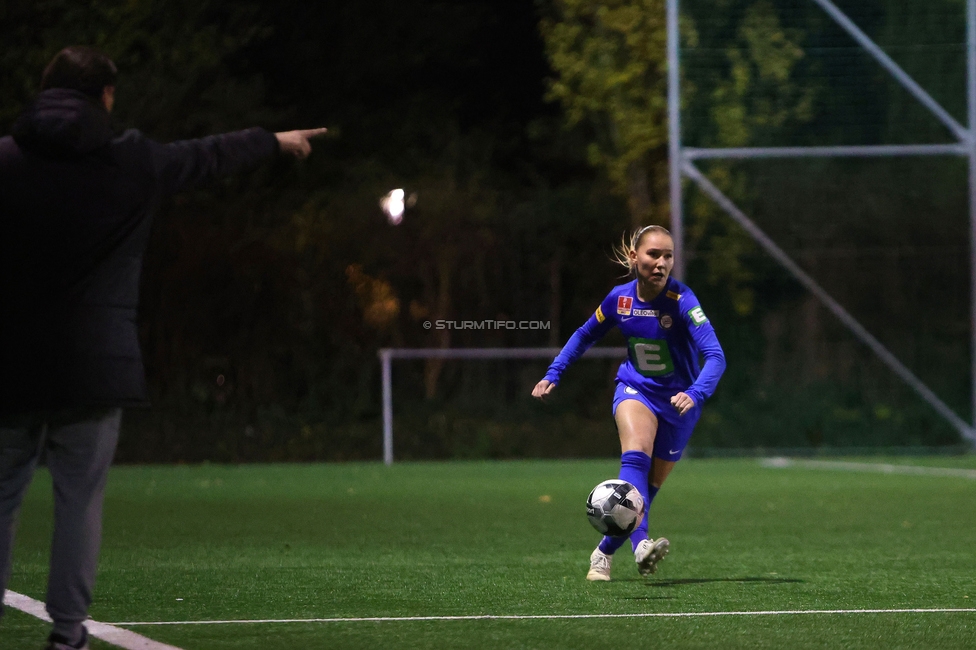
(58, 642)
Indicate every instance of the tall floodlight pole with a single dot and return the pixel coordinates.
(674, 139)
(971, 106)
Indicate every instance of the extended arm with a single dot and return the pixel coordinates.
(186, 163)
(595, 328)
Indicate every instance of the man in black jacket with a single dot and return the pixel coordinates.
(76, 207)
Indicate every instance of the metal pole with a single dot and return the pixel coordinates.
(894, 69)
(971, 100)
(387, 355)
(496, 353)
(674, 140)
(387, 406)
(853, 325)
(856, 151)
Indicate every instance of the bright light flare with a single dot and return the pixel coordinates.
(393, 205)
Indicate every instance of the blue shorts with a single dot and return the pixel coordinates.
(673, 430)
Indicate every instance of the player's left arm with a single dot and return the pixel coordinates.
(705, 339)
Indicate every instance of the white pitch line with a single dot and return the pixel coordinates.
(126, 639)
(517, 617)
(879, 468)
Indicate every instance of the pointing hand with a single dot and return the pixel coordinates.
(296, 142)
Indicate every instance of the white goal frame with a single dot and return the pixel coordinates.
(682, 166)
(387, 355)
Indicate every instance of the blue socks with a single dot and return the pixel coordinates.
(635, 466)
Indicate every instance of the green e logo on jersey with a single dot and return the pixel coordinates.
(651, 357)
(697, 316)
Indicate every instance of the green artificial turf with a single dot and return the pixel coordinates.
(212, 542)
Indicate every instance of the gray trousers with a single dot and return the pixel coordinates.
(79, 446)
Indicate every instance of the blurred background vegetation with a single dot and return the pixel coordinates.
(534, 135)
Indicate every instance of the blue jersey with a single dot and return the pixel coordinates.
(664, 338)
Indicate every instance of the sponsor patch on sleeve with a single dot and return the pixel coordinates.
(599, 315)
(672, 295)
(697, 316)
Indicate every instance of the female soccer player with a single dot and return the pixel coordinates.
(660, 387)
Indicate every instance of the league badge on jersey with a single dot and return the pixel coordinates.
(666, 321)
(624, 305)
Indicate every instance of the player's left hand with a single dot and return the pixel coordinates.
(683, 403)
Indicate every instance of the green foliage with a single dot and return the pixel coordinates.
(610, 64)
(750, 102)
(612, 73)
(175, 57)
(757, 95)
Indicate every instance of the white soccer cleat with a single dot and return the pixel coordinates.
(649, 552)
(599, 566)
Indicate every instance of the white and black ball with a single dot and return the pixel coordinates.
(615, 508)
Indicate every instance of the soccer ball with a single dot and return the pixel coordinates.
(615, 508)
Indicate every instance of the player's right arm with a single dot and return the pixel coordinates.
(595, 328)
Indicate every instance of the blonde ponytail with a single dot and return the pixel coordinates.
(621, 252)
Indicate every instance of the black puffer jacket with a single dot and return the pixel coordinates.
(76, 208)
